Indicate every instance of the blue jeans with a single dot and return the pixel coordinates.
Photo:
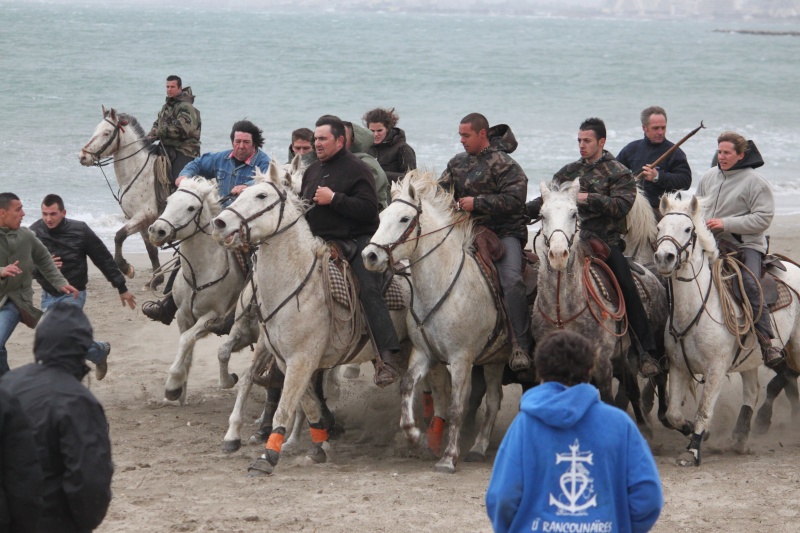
(95, 353)
(9, 318)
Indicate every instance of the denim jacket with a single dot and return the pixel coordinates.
(220, 166)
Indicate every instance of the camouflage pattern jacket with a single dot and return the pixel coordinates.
(612, 191)
(497, 182)
(178, 124)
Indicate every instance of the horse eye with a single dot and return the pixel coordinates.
(574, 216)
(404, 220)
(262, 196)
(191, 209)
(686, 230)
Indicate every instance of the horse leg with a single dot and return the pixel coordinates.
(334, 430)
(680, 383)
(603, 374)
(631, 385)
(239, 337)
(312, 408)
(749, 398)
(493, 375)
(152, 253)
(660, 382)
(133, 226)
(233, 439)
(705, 409)
(296, 383)
(460, 372)
(290, 445)
(418, 365)
(438, 380)
(477, 392)
(792, 393)
(427, 400)
(175, 388)
(775, 386)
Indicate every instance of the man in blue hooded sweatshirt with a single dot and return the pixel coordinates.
(570, 462)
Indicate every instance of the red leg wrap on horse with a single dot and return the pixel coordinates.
(275, 442)
(427, 405)
(435, 433)
(318, 435)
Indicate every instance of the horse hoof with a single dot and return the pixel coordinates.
(173, 395)
(446, 468)
(235, 378)
(475, 457)
(318, 453)
(230, 446)
(130, 272)
(687, 458)
(260, 468)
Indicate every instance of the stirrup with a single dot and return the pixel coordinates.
(385, 373)
(519, 360)
(772, 356)
(648, 366)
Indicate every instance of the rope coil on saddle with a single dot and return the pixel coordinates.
(739, 325)
(347, 323)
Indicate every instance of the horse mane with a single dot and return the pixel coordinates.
(284, 185)
(642, 225)
(681, 202)
(428, 188)
(205, 188)
(137, 129)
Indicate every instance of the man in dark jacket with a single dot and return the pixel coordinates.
(70, 242)
(69, 425)
(178, 126)
(672, 174)
(487, 182)
(607, 193)
(346, 212)
(20, 471)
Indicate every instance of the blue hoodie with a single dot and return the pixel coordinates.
(570, 463)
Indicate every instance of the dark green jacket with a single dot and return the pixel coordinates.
(178, 124)
(612, 191)
(362, 140)
(497, 182)
(395, 156)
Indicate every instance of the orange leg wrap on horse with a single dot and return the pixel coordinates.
(318, 435)
(435, 433)
(427, 405)
(275, 442)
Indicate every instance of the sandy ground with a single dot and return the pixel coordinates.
(171, 474)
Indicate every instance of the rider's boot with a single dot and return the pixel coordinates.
(772, 355)
(161, 311)
(222, 325)
(520, 360)
(387, 368)
(648, 365)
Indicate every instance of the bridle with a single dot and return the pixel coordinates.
(546, 239)
(404, 237)
(244, 226)
(118, 127)
(682, 250)
(195, 219)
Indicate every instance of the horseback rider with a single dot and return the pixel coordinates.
(489, 183)
(345, 210)
(178, 126)
(740, 213)
(234, 170)
(608, 191)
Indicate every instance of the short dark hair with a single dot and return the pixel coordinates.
(245, 126)
(387, 117)
(336, 124)
(304, 134)
(6, 198)
(477, 122)
(652, 110)
(596, 125)
(173, 77)
(51, 199)
(566, 357)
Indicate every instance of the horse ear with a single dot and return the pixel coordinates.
(412, 192)
(112, 114)
(544, 187)
(296, 162)
(694, 206)
(664, 204)
(104, 110)
(575, 188)
(273, 173)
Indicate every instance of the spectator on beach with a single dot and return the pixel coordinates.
(568, 461)
(302, 139)
(607, 193)
(740, 214)
(20, 471)
(389, 146)
(178, 126)
(234, 170)
(672, 174)
(20, 253)
(69, 425)
(70, 242)
(358, 140)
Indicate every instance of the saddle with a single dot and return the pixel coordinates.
(776, 293)
(162, 169)
(606, 282)
(489, 248)
(338, 268)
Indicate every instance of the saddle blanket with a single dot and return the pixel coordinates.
(394, 296)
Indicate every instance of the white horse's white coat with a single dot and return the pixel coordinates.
(709, 348)
(209, 280)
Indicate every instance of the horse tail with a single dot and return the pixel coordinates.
(641, 222)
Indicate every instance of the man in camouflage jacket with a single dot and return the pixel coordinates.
(607, 193)
(487, 182)
(178, 126)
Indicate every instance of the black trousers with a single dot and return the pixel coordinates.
(370, 284)
(752, 260)
(509, 269)
(178, 161)
(637, 318)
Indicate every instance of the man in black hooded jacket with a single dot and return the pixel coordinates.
(69, 425)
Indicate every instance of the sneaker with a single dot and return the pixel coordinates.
(648, 366)
(101, 368)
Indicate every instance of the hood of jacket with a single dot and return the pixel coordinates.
(502, 139)
(185, 96)
(752, 158)
(557, 405)
(63, 337)
(363, 139)
(395, 136)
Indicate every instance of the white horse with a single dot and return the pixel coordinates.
(569, 297)
(122, 138)
(210, 276)
(699, 342)
(295, 318)
(454, 320)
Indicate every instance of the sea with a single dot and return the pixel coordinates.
(60, 62)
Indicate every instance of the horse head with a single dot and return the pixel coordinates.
(680, 230)
(107, 137)
(559, 218)
(189, 211)
(260, 211)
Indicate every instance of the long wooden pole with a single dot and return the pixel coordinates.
(672, 150)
